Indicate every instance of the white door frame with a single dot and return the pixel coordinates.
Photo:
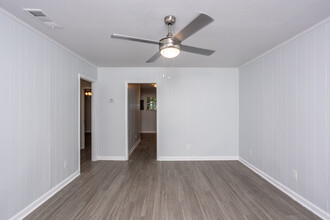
(126, 112)
(93, 118)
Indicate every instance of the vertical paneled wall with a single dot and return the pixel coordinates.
(285, 115)
(38, 129)
(133, 114)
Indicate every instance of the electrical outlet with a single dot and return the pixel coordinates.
(294, 174)
(65, 164)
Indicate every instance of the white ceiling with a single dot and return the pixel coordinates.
(242, 30)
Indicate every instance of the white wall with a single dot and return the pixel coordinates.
(38, 129)
(197, 110)
(148, 118)
(133, 113)
(284, 115)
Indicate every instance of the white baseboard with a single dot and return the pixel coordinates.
(30, 208)
(206, 158)
(146, 132)
(304, 202)
(134, 146)
(111, 158)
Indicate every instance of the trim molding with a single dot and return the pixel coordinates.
(206, 158)
(111, 158)
(134, 146)
(38, 202)
(304, 202)
(152, 132)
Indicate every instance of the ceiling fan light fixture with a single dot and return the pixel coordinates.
(170, 52)
(169, 48)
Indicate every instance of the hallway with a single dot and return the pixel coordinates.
(146, 151)
(86, 153)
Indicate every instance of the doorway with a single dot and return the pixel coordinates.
(85, 121)
(141, 118)
(87, 110)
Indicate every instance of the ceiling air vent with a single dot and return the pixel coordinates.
(41, 16)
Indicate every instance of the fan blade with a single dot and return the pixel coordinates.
(154, 57)
(198, 23)
(125, 37)
(197, 50)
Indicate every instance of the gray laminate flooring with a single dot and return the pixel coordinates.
(143, 188)
(86, 154)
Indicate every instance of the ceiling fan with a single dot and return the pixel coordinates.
(170, 46)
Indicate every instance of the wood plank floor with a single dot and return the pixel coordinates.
(143, 188)
(86, 154)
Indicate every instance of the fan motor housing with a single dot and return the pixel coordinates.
(169, 42)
